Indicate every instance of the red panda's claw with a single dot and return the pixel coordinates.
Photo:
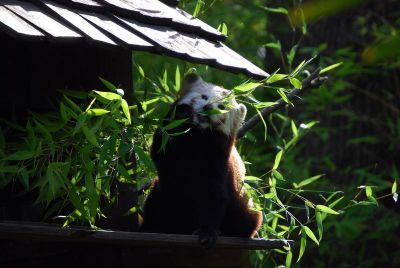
(207, 237)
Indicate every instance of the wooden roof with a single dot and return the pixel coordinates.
(147, 25)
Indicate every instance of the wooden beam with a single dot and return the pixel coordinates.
(47, 232)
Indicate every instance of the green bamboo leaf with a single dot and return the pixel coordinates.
(303, 243)
(298, 68)
(334, 203)
(9, 169)
(125, 109)
(368, 191)
(144, 158)
(277, 45)
(251, 178)
(295, 82)
(97, 112)
(141, 71)
(277, 175)
(280, 10)
(246, 87)
(294, 128)
(330, 67)
(108, 84)
(275, 78)
(288, 261)
(277, 159)
(21, 155)
(108, 95)
(318, 217)
(283, 95)
(325, 209)
(310, 234)
(394, 187)
(197, 9)
(177, 78)
(90, 136)
(175, 123)
(292, 53)
(24, 178)
(308, 181)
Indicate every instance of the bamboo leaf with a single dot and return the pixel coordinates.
(330, 67)
(295, 82)
(394, 187)
(246, 87)
(175, 123)
(326, 209)
(90, 136)
(310, 234)
(280, 10)
(108, 84)
(308, 181)
(125, 109)
(277, 159)
(318, 217)
(303, 243)
(275, 78)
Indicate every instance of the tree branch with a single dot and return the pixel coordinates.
(314, 80)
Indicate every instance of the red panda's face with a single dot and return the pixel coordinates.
(213, 106)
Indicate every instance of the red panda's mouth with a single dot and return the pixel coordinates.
(203, 119)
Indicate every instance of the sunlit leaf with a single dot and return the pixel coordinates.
(318, 217)
(308, 181)
(295, 82)
(288, 260)
(108, 95)
(280, 10)
(310, 234)
(175, 123)
(303, 243)
(125, 109)
(275, 78)
(108, 84)
(394, 186)
(330, 67)
(277, 159)
(326, 209)
(246, 87)
(368, 191)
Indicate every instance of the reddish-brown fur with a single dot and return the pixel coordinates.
(198, 189)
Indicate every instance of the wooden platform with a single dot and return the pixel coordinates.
(27, 244)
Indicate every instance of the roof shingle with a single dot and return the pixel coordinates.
(148, 25)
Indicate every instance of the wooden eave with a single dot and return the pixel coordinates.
(146, 25)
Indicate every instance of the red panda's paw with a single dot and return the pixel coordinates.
(207, 236)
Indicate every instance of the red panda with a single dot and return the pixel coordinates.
(199, 186)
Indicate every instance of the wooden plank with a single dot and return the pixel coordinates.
(157, 13)
(190, 47)
(76, 20)
(83, 5)
(15, 23)
(38, 18)
(121, 33)
(46, 232)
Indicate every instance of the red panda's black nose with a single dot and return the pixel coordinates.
(207, 107)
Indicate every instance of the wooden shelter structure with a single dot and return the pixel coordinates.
(67, 44)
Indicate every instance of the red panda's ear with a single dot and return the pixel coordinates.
(188, 81)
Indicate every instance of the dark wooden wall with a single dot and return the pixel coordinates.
(31, 72)
(31, 75)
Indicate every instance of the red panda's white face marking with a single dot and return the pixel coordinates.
(203, 97)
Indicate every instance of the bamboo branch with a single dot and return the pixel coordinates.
(314, 80)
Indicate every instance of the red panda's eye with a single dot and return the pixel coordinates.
(204, 97)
